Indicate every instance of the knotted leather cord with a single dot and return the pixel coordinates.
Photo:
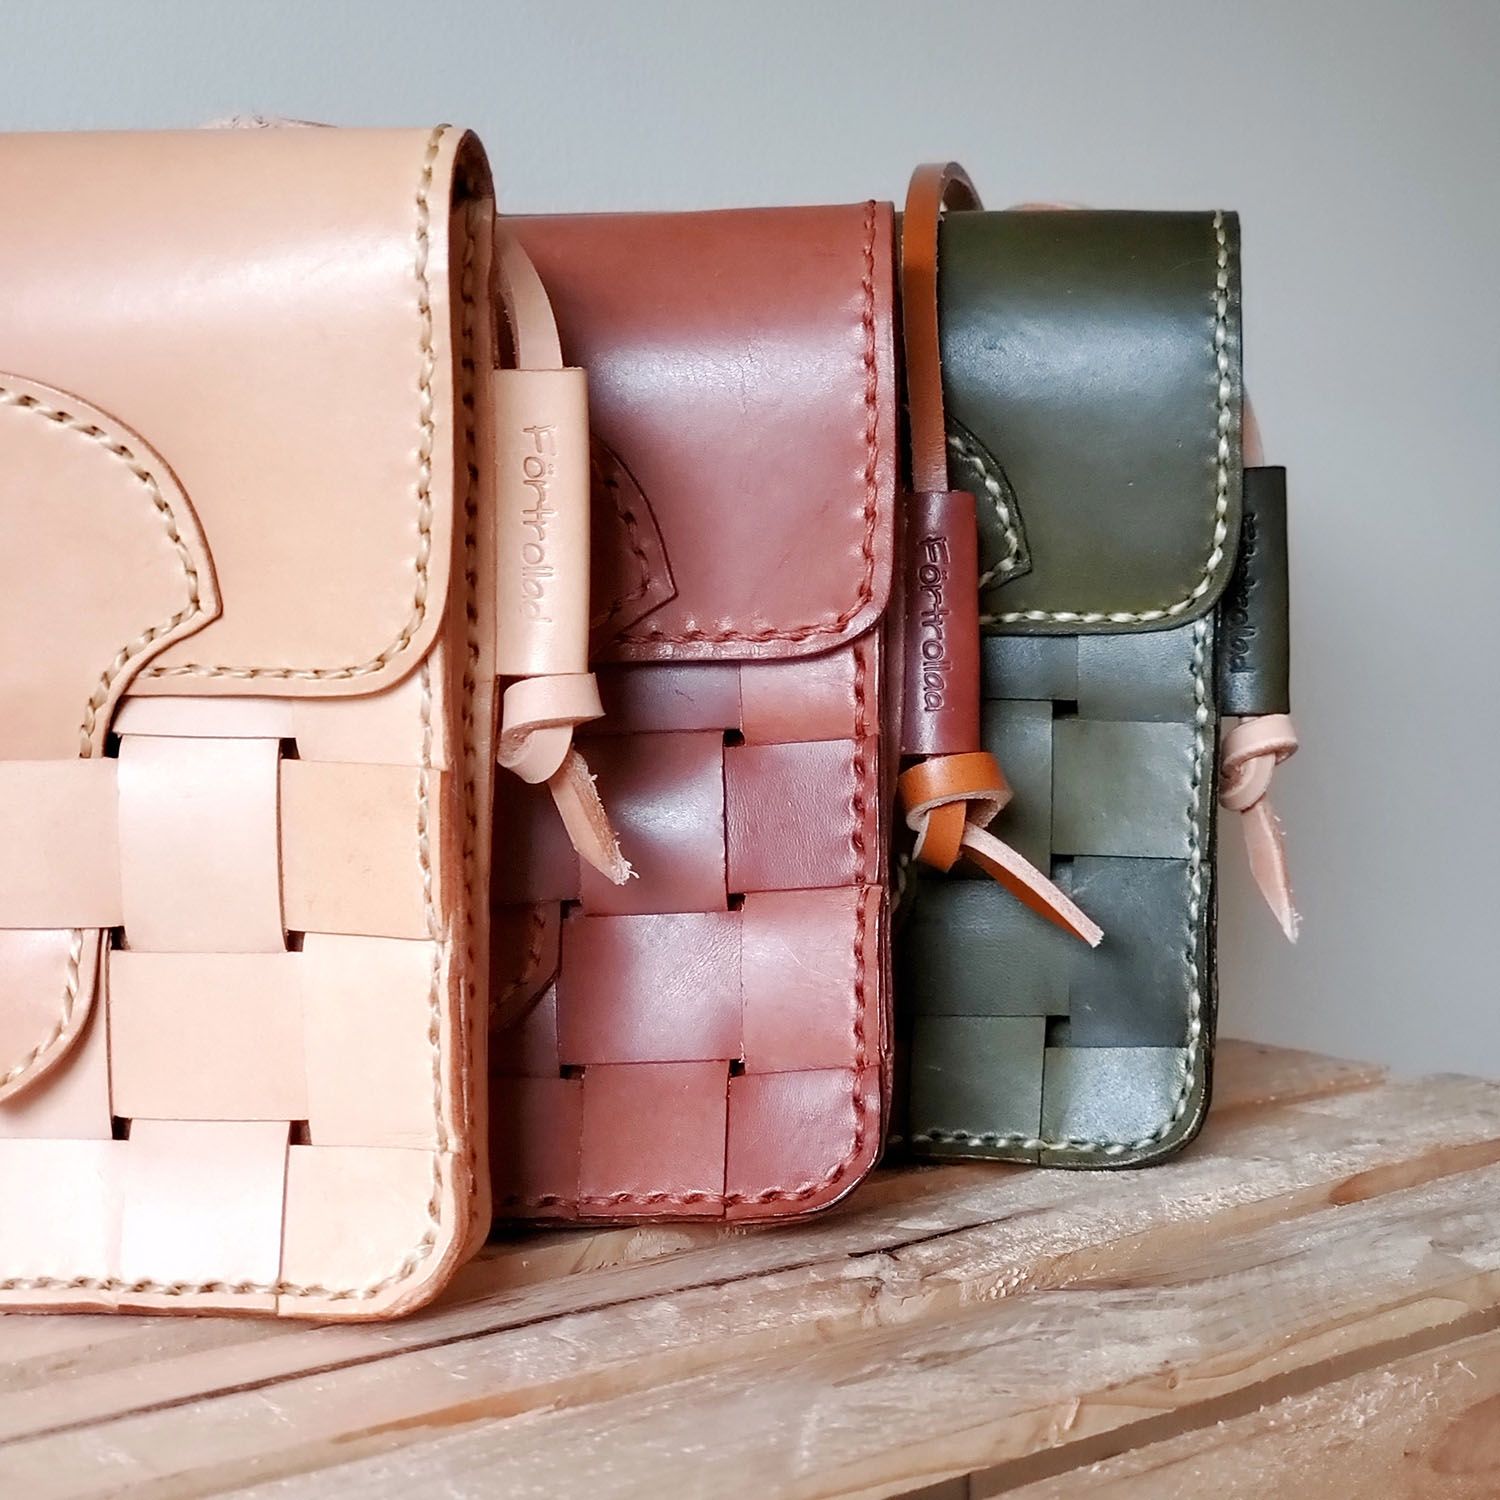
(1252, 750)
(1248, 757)
(540, 713)
(950, 799)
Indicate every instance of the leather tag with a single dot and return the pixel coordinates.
(542, 495)
(941, 716)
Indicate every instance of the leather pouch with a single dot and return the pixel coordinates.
(247, 672)
(710, 1039)
(1091, 367)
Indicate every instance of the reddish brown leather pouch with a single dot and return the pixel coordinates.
(711, 1038)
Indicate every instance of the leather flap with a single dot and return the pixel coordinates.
(1091, 362)
(270, 311)
(742, 396)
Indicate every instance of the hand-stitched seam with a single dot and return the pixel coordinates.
(1196, 906)
(428, 1241)
(871, 365)
(993, 489)
(138, 468)
(859, 761)
(123, 454)
(59, 1032)
(426, 441)
(863, 776)
(632, 526)
(471, 1016)
(536, 928)
(860, 766)
(1224, 421)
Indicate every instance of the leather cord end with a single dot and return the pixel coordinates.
(1252, 750)
(950, 800)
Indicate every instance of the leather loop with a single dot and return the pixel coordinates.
(950, 800)
(543, 499)
(535, 712)
(951, 797)
(972, 777)
(934, 186)
(1251, 751)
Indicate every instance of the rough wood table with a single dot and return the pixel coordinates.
(1307, 1303)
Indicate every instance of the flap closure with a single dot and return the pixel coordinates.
(104, 568)
(270, 310)
(742, 399)
(1091, 363)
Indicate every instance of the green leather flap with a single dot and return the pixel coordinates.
(1092, 367)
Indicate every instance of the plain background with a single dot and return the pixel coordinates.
(1360, 141)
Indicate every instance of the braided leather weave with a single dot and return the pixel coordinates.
(706, 1039)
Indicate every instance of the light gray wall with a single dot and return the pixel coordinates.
(1359, 141)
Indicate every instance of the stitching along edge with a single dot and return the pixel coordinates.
(862, 777)
(862, 773)
(1197, 892)
(1192, 1042)
(428, 1241)
(1220, 515)
(425, 1245)
(139, 470)
(870, 364)
(1007, 564)
(863, 786)
(426, 442)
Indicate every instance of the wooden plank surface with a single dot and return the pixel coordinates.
(1422, 1428)
(942, 1321)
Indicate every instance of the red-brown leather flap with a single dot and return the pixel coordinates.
(275, 312)
(742, 384)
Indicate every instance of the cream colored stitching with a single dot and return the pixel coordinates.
(1193, 1040)
(122, 453)
(425, 1245)
(1223, 424)
(1224, 421)
(427, 431)
(138, 468)
(993, 489)
(60, 1026)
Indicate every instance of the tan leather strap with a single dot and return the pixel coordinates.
(542, 457)
(955, 789)
(934, 186)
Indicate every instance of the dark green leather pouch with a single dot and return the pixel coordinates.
(1091, 366)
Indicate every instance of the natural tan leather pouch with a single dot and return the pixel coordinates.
(247, 622)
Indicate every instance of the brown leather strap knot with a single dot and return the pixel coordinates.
(956, 790)
(950, 801)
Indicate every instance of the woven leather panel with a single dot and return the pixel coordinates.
(242, 1093)
(240, 964)
(708, 1039)
(1022, 1044)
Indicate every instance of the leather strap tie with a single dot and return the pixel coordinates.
(542, 491)
(1251, 752)
(954, 790)
(950, 800)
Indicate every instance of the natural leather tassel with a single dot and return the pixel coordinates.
(542, 494)
(1252, 751)
(956, 789)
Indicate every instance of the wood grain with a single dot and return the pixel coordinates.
(1025, 1325)
(1422, 1428)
